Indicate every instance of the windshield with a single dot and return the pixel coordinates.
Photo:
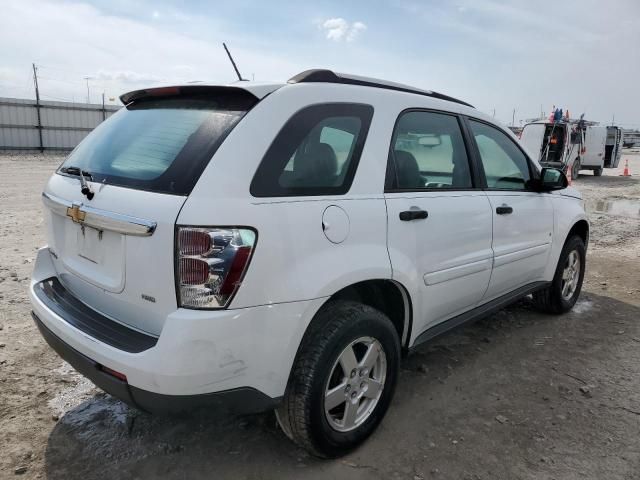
(161, 145)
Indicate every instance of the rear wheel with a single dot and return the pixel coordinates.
(575, 169)
(343, 379)
(598, 171)
(565, 288)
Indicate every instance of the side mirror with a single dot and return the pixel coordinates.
(552, 179)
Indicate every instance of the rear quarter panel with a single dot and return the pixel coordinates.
(293, 259)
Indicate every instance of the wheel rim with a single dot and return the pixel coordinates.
(355, 384)
(570, 275)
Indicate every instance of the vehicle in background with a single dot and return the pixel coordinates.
(631, 138)
(517, 131)
(573, 145)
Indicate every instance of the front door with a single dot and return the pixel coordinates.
(522, 218)
(439, 223)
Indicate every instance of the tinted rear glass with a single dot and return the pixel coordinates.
(160, 144)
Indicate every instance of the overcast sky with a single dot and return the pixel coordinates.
(583, 55)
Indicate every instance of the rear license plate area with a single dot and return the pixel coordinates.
(90, 245)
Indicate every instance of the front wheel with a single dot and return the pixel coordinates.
(562, 294)
(343, 379)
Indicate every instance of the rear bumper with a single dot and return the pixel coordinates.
(238, 400)
(244, 355)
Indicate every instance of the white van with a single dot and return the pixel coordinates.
(573, 145)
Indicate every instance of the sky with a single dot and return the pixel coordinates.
(581, 55)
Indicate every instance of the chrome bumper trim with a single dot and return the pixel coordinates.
(98, 218)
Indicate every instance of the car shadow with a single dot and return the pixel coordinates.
(510, 367)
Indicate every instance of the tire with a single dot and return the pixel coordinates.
(318, 370)
(575, 169)
(551, 299)
(597, 172)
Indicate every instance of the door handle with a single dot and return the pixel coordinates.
(504, 210)
(409, 215)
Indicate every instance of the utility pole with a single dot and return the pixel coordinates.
(513, 118)
(87, 78)
(104, 113)
(494, 113)
(35, 82)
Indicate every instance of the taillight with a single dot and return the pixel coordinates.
(211, 263)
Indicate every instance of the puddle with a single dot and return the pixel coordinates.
(625, 208)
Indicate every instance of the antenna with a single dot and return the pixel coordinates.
(232, 62)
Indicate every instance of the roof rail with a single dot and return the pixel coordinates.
(328, 76)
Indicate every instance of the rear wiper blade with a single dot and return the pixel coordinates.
(85, 189)
(76, 171)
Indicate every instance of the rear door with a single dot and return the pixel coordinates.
(532, 138)
(595, 139)
(522, 219)
(617, 149)
(115, 250)
(439, 222)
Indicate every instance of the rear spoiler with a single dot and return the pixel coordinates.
(251, 91)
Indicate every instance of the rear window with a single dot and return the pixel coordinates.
(160, 144)
(315, 153)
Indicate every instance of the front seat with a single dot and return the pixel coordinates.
(407, 170)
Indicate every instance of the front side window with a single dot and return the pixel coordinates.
(505, 166)
(428, 152)
(315, 153)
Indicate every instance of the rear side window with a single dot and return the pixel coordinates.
(428, 152)
(160, 144)
(316, 152)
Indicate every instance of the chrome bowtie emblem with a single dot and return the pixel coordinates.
(75, 213)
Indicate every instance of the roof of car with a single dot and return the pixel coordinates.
(328, 76)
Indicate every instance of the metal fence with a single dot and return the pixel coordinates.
(28, 125)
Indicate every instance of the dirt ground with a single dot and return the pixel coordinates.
(519, 395)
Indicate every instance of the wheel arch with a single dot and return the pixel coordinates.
(580, 228)
(386, 295)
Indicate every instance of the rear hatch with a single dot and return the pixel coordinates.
(113, 244)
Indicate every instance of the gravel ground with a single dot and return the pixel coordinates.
(518, 395)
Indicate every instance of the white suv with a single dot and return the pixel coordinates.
(269, 246)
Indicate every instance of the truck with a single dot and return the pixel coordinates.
(573, 145)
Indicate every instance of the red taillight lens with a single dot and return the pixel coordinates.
(194, 242)
(211, 263)
(193, 271)
(236, 270)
